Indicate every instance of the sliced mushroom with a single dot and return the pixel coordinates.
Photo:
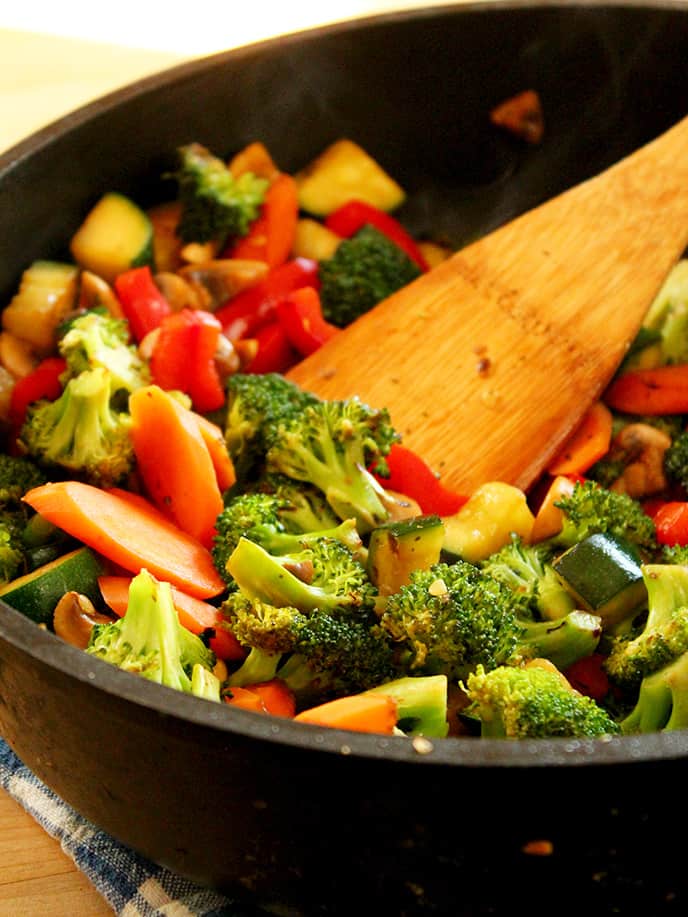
(179, 293)
(641, 448)
(94, 292)
(217, 281)
(74, 618)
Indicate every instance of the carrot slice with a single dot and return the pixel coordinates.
(357, 712)
(273, 697)
(588, 442)
(215, 441)
(174, 462)
(663, 390)
(549, 518)
(194, 614)
(130, 533)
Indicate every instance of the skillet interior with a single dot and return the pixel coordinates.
(611, 77)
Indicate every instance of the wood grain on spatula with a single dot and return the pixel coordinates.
(489, 361)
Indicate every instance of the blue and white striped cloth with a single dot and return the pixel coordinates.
(130, 884)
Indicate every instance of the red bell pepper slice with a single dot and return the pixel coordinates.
(588, 676)
(275, 353)
(253, 308)
(410, 475)
(271, 236)
(43, 382)
(143, 304)
(671, 523)
(354, 215)
(183, 358)
(300, 314)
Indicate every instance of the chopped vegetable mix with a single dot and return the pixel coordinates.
(173, 504)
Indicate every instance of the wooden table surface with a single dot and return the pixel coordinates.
(42, 79)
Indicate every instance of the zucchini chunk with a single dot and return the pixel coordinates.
(604, 575)
(115, 236)
(343, 172)
(47, 292)
(37, 593)
(485, 523)
(396, 549)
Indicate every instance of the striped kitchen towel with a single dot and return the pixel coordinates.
(131, 885)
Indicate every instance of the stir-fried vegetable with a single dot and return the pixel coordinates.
(217, 529)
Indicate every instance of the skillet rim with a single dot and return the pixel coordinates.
(45, 647)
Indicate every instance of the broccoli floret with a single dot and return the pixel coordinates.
(667, 317)
(363, 271)
(532, 702)
(149, 640)
(303, 507)
(590, 509)
(81, 431)
(323, 575)
(662, 703)
(674, 554)
(663, 636)
(317, 654)
(18, 475)
(12, 559)
(451, 618)
(256, 402)
(331, 444)
(97, 339)
(266, 520)
(676, 460)
(215, 204)
(421, 702)
(528, 571)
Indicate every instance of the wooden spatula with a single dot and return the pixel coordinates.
(489, 361)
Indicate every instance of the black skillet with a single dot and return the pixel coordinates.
(274, 812)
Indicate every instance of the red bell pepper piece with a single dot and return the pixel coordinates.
(411, 476)
(271, 236)
(43, 382)
(275, 353)
(183, 358)
(256, 306)
(300, 314)
(587, 676)
(671, 523)
(143, 304)
(352, 216)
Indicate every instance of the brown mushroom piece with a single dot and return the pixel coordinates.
(74, 618)
(640, 447)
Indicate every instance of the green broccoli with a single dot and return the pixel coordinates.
(318, 654)
(215, 204)
(532, 702)
(256, 402)
(331, 444)
(662, 637)
(322, 575)
(303, 508)
(667, 318)
(12, 557)
(266, 519)
(590, 509)
(81, 432)
(364, 270)
(662, 702)
(528, 571)
(149, 640)
(453, 617)
(18, 475)
(97, 339)
(676, 460)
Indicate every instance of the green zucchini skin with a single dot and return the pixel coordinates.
(397, 548)
(37, 593)
(604, 575)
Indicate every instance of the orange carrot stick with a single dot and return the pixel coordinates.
(194, 614)
(663, 390)
(129, 533)
(357, 712)
(174, 462)
(273, 697)
(588, 442)
(215, 441)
